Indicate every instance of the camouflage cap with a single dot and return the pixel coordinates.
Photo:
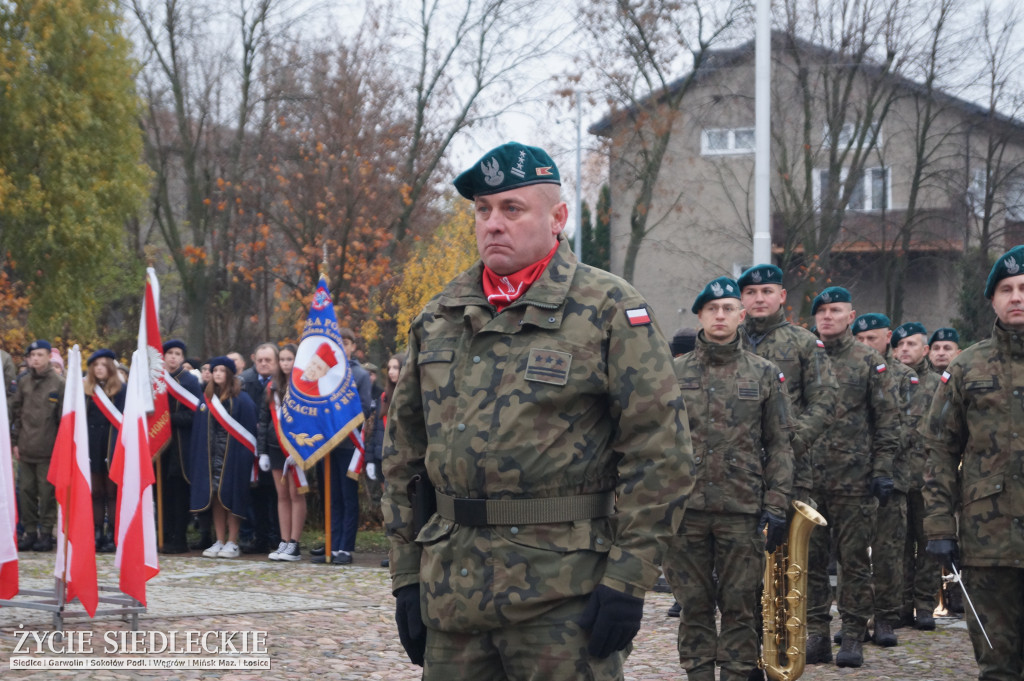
(1010, 264)
(946, 333)
(760, 274)
(507, 167)
(833, 294)
(906, 330)
(870, 321)
(723, 287)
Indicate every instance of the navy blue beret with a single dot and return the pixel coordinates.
(225, 362)
(175, 343)
(39, 345)
(102, 352)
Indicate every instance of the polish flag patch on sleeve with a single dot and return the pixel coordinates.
(821, 343)
(782, 377)
(638, 316)
(880, 368)
(914, 380)
(945, 376)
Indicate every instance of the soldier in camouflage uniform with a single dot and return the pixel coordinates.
(799, 354)
(889, 545)
(976, 468)
(943, 347)
(920, 571)
(540, 405)
(853, 464)
(740, 425)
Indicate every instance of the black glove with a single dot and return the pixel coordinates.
(411, 630)
(776, 530)
(612, 618)
(881, 489)
(804, 494)
(943, 550)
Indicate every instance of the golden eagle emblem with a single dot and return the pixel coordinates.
(306, 440)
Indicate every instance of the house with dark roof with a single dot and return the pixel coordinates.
(878, 184)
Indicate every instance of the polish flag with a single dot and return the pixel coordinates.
(72, 482)
(159, 419)
(8, 509)
(132, 470)
(358, 461)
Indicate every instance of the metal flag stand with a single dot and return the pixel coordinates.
(53, 602)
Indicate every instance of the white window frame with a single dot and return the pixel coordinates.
(846, 136)
(731, 148)
(977, 187)
(867, 189)
(1015, 200)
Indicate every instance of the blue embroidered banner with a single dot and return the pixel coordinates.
(322, 404)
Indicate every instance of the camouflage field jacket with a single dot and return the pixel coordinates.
(562, 393)
(865, 438)
(924, 392)
(740, 426)
(904, 383)
(977, 420)
(810, 381)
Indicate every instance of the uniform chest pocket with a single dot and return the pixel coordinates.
(982, 385)
(436, 356)
(689, 383)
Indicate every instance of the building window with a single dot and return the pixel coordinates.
(848, 134)
(1015, 201)
(727, 141)
(870, 193)
(976, 191)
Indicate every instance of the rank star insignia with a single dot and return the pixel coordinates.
(548, 366)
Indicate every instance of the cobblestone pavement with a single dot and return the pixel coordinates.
(334, 623)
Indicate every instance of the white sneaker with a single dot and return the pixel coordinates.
(214, 550)
(276, 555)
(291, 552)
(230, 550)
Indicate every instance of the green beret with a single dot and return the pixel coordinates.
(870, 321)
(906, 330)
(945, 334)
(833, 294)
(506, 167)
(723, 287)
(760, 274)
(1009, 265)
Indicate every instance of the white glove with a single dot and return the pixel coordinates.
(264, 463)
(371, 471)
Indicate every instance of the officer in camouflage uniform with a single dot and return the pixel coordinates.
(801, 357)
(920, 571)
(539, 402)
(740, 425)
(943, 347)
(889, 545)
(976, 468)
(853, 468)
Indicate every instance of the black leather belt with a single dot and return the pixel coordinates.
(479, 512)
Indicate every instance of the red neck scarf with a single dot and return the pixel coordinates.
(503, 290)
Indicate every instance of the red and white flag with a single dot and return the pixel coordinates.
(72, 482)
(152, 348)
(358, 461)
(8, 509)
(132, 470)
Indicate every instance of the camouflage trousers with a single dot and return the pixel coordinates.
(922, 576)
(851, 525)
(552, 646)
(730, 545)
(998, 595)
(887, 558)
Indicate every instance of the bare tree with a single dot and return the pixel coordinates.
(636, 53)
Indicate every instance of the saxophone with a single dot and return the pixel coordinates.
(784, 600)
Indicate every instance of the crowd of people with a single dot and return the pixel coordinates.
(208, 479)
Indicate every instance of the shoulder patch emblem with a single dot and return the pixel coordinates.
(945, 376)
(548, 366)
(880, 368)
(638, 316)
(914, 380)
(782, 377)
(821, 343)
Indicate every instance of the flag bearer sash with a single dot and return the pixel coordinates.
(237, 431)
(178, 392)
(321, 407)
(107, 408)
